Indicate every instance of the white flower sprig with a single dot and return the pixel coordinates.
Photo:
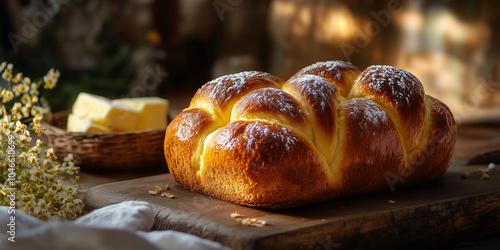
(31, 177)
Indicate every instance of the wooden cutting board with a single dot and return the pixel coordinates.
(441, 212)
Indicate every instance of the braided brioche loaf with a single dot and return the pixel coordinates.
(327, 132)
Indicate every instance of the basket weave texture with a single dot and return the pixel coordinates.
(108, 151)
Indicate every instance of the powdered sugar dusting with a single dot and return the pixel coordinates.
(317, 90)
(371, 115)
(398, 83)
(228, 86)
(184, 133)
(275, 100)
(330, 66)
(272, 138)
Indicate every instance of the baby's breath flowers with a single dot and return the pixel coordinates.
(31, 177)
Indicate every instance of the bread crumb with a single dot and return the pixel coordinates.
(485, 176)
(235, 215)
(391, 201)
(251, 222)
(464, 175)
(153, 192)
(245, 222)
(158, 190)
(484, 171)
(477, 171)
(168, 195)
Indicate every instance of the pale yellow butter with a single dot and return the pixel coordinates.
(103, 112)
(152, 111)
(84, 124)
(91, 106)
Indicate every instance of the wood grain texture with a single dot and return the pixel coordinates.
(441, 212)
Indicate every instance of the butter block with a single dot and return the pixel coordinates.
(91, 106)
(84, 124)
(152, 111)
(103, 112)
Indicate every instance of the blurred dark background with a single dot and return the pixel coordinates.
(120, 48)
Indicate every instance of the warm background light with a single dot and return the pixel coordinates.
(106, 47)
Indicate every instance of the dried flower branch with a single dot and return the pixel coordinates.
(31, 178)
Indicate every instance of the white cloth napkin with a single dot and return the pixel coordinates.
(121, 226)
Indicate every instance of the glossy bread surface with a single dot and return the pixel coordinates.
(329, 131)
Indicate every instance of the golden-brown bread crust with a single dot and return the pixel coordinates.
(250, 149)
(329, 131)
(370, 146)
(400, 94)
(427, 161)
(341, 74)
(221, 94)
(319, 99)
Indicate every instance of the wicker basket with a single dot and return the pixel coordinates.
(109, 151)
